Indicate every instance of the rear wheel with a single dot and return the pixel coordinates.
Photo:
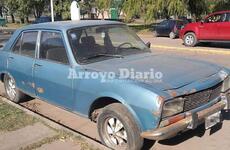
(190, 39)
(11, 90)
(117, 128)
(172, 35)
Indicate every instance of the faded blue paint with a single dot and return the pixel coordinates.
(77, 95)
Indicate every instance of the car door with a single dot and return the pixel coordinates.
(162, 28)
(21, 59)
(209, 28)
(51, 70)
(224, 27)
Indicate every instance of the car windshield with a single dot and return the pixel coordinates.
(98, 43)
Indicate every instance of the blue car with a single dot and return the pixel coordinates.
(103, 71)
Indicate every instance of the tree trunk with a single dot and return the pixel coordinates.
(12, 18)
(22, 20)
(27, 20)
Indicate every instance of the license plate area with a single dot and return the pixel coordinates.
(212, 120)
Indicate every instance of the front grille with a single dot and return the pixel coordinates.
(198, 99)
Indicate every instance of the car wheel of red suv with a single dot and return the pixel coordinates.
(190, 39)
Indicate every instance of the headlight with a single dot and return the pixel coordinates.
(226, 84)
(173, 107)
(223, 74)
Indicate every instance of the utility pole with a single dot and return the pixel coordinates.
(52, 10)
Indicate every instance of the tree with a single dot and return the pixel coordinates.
(12, 6)
(38, 7)
(102, 6)
(132, 8)
(62, 9)
(197, 7)
(222, 5)
(24, 9)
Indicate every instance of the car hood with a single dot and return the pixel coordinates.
(177, 72)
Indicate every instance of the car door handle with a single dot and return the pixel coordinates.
(10, 57)
(37, 65)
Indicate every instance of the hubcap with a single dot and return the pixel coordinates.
(189, 39)
(116, 132)
(10, 88)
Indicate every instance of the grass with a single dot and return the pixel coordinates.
(12, 118)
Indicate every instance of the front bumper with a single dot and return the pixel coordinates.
(184, 124)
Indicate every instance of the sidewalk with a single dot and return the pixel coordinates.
(21, 131)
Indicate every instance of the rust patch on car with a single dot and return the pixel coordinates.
(40, 90)
(173, 93)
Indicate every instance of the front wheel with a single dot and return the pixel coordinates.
(190, 39)
(11, 90)
(117, 128)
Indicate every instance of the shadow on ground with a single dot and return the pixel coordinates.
(215, 45)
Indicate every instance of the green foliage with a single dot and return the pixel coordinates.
(222, 5)
(62, 8)
(38, 7)
(12, 6)
(146, 9)
(197, 7)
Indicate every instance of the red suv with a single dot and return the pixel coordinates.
(214, 28)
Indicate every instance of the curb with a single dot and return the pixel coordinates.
(54, 124)
(213, 51)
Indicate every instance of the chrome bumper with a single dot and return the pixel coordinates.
(184, 124)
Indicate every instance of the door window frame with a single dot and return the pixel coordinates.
(20, 37)
(64, 44)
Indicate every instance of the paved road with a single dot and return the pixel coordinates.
(217, 53)
(196, 139)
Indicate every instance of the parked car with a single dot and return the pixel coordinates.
(44, 19)
(67, 63)
(214, 28)
(169, 28)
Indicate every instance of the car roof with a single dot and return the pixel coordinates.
(219, 12)
(65, 25)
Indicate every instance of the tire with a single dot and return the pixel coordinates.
(155, 34)
(190, 39)
(12, 92)
(127, 137)
(172, 35)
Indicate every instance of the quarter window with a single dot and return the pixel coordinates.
(52, 47)
(214, 18)
(28, 45)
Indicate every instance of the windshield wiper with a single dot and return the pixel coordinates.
(104, 55)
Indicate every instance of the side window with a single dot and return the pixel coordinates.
(164, 23)
(17, 46)
(52, 47)
(28, 44)
(214, 18)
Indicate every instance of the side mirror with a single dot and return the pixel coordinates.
(148, 44)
